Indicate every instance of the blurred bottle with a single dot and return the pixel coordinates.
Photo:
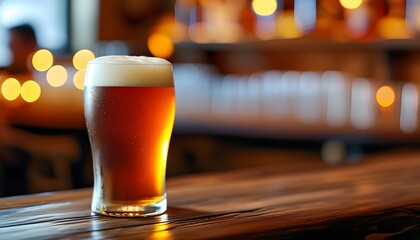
(305, 14)
(330, 20)
(413, 16)
(247, 20)
(286, 21)
(362, 22)
(215, 20)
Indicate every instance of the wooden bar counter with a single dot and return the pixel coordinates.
(377, 198)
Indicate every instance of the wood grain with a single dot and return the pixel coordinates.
(378, 198)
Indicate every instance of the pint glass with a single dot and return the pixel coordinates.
(129, 108)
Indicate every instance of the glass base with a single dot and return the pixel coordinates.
(148, 210)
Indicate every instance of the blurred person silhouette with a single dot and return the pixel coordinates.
(13, 158)
(22, 43)
(30, 160)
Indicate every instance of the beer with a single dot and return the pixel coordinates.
(129, 109)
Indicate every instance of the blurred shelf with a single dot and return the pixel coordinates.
(304, 44)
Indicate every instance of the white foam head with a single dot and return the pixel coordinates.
(138, 71)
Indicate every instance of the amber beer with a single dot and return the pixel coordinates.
(129, 109)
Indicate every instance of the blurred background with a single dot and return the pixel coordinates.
(258, 83)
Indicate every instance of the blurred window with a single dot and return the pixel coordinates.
(48, 17)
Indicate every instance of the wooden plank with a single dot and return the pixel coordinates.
(43, 198)
(354, 201)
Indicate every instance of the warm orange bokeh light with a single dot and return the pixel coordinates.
(10, 89)
(160, 45)
(385, 96)
(351, 4)
(81, 59)
(79, 79)
(57, 76)
(42, 60)
(393, 28)
(30, 91)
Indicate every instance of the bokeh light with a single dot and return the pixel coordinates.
(81, 59)
(160, 45)
(409, 108)
(393, 28)
(287, 27)
(168, 25)
(385, 96)
(79, 79)
(264, 7)
(42, 60)
(351, 4)
(30, 91)
(10, 89)
(57, 76)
